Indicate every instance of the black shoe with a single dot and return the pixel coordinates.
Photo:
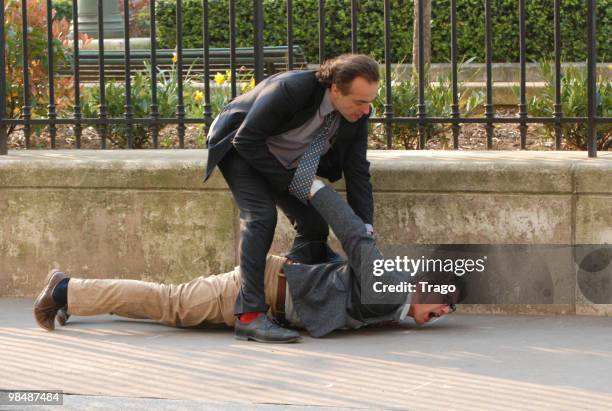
(264, 330)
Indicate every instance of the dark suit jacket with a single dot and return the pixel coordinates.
(280, 103)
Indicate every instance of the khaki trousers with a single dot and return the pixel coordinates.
(202, 300)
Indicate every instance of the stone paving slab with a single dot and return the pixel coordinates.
(459, 362)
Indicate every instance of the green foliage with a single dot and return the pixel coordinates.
(337, 20)
(470, 27)
(115, 100)
(37, 64)
(63, 9)
(574, 101)
(438, 103)
(167, 100)
(505, 26)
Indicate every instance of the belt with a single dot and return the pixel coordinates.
(281, 290)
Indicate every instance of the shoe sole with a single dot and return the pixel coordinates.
(293, 340)
(62, 319)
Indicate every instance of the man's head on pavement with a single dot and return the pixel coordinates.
(428, 302)
(423, 313)
(353, 83)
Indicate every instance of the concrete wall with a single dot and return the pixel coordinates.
(146, 214)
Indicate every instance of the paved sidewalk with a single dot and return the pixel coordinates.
(459, 362)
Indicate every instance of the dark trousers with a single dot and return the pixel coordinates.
(257, 202)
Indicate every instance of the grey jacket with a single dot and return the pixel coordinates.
(328, 296)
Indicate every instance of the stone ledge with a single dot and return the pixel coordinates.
(438, 171)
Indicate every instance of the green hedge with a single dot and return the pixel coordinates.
(63, 9)
(470, 28)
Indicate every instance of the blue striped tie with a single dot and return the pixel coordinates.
(307, 167)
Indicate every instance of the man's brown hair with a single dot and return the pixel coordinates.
(343, 69)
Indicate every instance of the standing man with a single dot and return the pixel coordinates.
(269, 143)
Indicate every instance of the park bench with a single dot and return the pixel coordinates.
(275, 60)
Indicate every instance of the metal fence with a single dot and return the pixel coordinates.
(154, 121)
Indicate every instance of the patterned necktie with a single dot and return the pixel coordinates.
(307, 167)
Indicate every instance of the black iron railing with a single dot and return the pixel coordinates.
(154, 121)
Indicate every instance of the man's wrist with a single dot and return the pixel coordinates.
(316, 186)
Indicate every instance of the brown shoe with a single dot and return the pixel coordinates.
(45, 307)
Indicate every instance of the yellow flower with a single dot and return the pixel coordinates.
(198, 96)
(219, 78)
(174, 58)
(253, 82)
(228, 75)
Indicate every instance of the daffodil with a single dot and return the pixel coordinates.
(253, 82)
(228, 75)
(219, 79)
(174, 58)
(198, 96)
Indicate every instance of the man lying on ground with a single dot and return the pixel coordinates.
(318, 297)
